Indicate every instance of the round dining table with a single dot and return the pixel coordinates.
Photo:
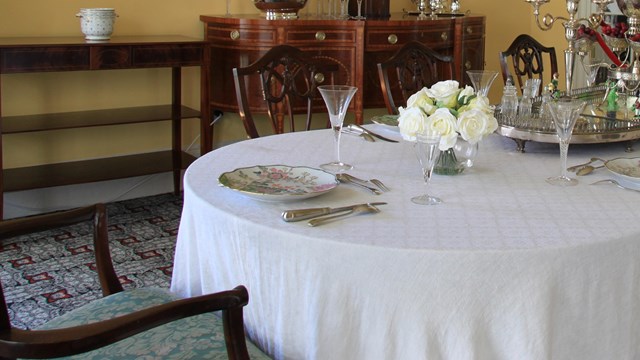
(507, 267)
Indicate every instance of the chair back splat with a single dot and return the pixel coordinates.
(413, 67)
(528, 61)
(285, 79)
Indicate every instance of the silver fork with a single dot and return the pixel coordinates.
(365, 136)
(345, 178)
(374, 182)
(614, 183)
(379, 184)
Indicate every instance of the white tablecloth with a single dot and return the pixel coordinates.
(509, 267)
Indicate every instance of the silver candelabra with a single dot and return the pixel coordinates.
(571, 25)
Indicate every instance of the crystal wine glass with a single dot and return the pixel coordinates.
(426, 148)
(359, 17)
(482, 80)
(344, 13)
(337, 99)
(564, 113)
(591, 67)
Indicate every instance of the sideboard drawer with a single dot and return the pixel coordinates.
(52, 58)
(324, 35)
(392, 37)
(223, 34)
(473, 31)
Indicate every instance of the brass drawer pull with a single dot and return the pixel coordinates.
(320, 35)
(234, 35)
(444, 36)
(469, 30)
(319, 78)
(392, 39)
(467, 65)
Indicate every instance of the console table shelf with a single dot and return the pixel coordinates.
(85, 171)
(91, 118)
(62, 54)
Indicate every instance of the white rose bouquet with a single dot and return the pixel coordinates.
(449, 110)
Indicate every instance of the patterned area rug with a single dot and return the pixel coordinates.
(47, 274)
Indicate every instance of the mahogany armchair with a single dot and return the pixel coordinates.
(126, 324)
(528, 61)
(411, 68)
(286, 79)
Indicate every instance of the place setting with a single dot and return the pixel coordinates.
(286, 183)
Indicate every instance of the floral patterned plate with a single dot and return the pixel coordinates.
(627, 169)
(389, 120)
(279, 182)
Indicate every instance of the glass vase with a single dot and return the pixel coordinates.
(448, 164)
(454, 160)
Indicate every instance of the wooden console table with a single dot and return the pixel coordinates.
(46, 54)
(355, 46)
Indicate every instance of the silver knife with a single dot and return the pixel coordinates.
(303, 214)
(364, 130)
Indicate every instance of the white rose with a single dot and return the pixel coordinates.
(411, 122)
(445, 93)
(422, 100)
(473, 124)
(444, 123)
(479, 103)
(466, 92)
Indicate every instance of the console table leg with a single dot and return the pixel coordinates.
(176, 127)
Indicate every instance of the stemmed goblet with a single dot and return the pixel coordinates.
(344, 13)
(426, 148)
(482, 80)
(337, 99)
(359, 17)
(591, 67)
(564, 112)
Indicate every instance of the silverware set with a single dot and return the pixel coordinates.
(366, 134)
(321, 215)
(586, 168)
(374, 185)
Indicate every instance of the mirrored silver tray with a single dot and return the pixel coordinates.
(595, 126)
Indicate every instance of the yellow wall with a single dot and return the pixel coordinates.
(57, 92)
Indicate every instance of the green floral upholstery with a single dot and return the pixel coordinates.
(196, 337)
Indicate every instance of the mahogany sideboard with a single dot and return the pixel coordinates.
(355, 46)
(60, 54)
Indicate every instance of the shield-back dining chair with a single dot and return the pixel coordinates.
(411, 68)
(285, 78)
(528, 61)
(131, 324)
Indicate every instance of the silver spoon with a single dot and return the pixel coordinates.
(359, 209)
(586, 170)
(576, 167)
